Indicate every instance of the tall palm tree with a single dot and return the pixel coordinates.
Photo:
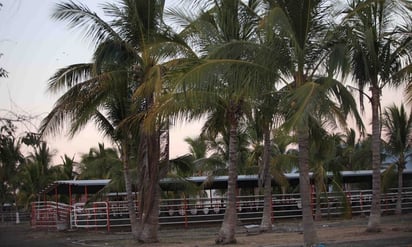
(397, 127)
(223, 81)
(315, 53)
(94, 99)
(380, 43)
(118, 89)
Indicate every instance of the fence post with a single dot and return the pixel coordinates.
(185, 211)
(108, 214)
(271, 209)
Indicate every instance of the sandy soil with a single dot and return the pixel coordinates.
(396, 231)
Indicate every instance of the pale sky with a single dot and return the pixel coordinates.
(34, 47)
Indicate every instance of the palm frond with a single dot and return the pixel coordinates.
(69, 76)
(79, 16)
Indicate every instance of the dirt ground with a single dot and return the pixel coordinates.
(396, 231)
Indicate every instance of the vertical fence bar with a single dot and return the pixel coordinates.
(185, 210)
(108, 215)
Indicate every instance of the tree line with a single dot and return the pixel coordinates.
(259, 72)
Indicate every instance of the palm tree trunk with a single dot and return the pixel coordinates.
(309, 232)
(149, 189)
(318, 213)
(398, 210)
(375, 214)
(226, 233)
(129, 192)
(1, 212)
(266, 224)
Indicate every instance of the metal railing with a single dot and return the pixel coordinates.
(13, 217)
(49, 214)
(185, 211)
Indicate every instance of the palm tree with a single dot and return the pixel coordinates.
(380, 53)
(323, 148)
(408, 91)
(118, 89)
(222, 82)
(79, 105)
(10, 160)
(102, 163)
(67, 168)
(202, 159)
(314, 52)
(346, 150)
(265, 120)
(397, 127)
(36, 173)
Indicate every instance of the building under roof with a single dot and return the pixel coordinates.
(67, 187)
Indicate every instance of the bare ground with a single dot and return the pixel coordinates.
(396, 231)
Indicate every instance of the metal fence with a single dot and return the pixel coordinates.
(186, 211)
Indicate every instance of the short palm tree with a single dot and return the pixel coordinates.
(67, 168)
(380, 44)
(397, 127)
(323, 147)
(10, 160)
(103, 163)
(203, 162)
(36, 174)
(265, 121)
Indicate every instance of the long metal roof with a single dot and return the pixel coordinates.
(75, 186)
(250, 181)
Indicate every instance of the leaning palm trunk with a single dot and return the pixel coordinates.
(375, 214)
(149, 191)
(129, 193)
(227, 230)
(266, 224)
(309, 232)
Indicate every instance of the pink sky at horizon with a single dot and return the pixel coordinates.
(34, 47)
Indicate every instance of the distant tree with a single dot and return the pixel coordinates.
(66, 170)
(103, 163)
(12, 161)
(10, 158)
(3, 72)
(397, 126)
(37, 172)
